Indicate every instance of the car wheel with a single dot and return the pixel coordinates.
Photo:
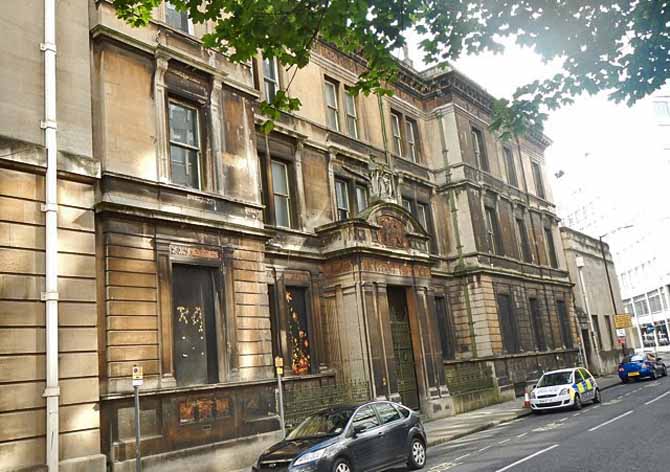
(578, 403)
(341, 465)
(652, 375)
(417, 454)
(596, 397)
(665, 371)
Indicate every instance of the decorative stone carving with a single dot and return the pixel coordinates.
(194, 252)
(382, 183)
(392, 232)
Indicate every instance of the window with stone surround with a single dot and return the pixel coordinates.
(550, 247)
(510, 167)
(277, 156)
(494, 236)
(396, 134)
(361, 197)
(178, 19)
(479, 149)
(342, 199)
(298, 329)
(537, 178)
(447, 328)
(412, 140)
(185, 144)
(536, 322)
(352, 114)
(524, 241)
(332, 104)
(564, 321)
(508, 325)
(270, 78)
(351, 196)
(281, 194)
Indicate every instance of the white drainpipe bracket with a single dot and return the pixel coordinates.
(49, 296)
(48, 47)
(46, 207)
(48, 124)
(51, 392)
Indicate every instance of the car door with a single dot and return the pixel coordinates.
(367, 439)
(395, 432)
(580, 382)
(589, 384)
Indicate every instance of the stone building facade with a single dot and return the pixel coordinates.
(22, 241)
(598, 330)
(394, 245)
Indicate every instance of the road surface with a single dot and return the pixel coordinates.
(627, 432)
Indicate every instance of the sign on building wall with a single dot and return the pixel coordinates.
(623, 321)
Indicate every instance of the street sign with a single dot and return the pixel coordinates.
(623, 321)
(279, 365)
(621, 333)
(138, 376)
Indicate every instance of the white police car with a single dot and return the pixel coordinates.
(565, 388)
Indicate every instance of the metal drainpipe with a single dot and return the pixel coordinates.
(50, 296)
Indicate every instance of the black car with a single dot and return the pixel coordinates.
(369, 437)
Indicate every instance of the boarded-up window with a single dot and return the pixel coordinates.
(510, 167)
(195, 352)
(537, 177)
(524, 242)
(551, 247)
(538, 327)
(446, 327)
(566, 333)
(493, 229)
(298, 330)
(479, 148)
(508, 328)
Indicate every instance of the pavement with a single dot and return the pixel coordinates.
(454, 427)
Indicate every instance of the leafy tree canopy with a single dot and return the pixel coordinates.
(618, 46)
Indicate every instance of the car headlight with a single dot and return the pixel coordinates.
(564, 391)
(311, 456)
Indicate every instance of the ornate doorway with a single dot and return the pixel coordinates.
(402, 347)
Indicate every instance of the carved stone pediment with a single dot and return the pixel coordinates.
(383, 227)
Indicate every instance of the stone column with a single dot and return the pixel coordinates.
(162, 133)
(300, 184)
(216, 130)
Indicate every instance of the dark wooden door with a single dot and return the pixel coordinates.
(402, 347)
(195, 358)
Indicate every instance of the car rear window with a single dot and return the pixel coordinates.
(633, 358)
(387, 412)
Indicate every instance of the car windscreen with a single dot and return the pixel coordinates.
(556, 378)
(633, 358)
(324, 423)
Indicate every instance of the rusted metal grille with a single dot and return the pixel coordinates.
(302, 401)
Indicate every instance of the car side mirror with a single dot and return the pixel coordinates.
(358, 429)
